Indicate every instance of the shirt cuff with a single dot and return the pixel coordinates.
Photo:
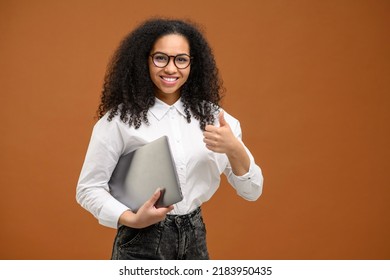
(250, 185)
(247, 176)
(110, 213)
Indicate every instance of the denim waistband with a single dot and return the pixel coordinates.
(183, 220)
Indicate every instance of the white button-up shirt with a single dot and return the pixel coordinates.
(198, 168)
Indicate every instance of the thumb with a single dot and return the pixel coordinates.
(155, 197)
(222, 121)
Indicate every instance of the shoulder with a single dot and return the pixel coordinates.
(106, 122)
(229, 118)
(107, 128)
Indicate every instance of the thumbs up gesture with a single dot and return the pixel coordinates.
(220, 139)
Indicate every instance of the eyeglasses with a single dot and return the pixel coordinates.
(161, 60)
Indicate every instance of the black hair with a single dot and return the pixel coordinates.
(129, 91)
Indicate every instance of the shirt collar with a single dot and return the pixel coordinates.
(160, 108)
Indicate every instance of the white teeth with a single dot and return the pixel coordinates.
(169, 79)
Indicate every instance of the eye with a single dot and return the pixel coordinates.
(182, 59)
(160, 57)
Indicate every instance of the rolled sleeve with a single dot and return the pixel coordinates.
(250, 185)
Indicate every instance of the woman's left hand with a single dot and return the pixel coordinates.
(220, 139)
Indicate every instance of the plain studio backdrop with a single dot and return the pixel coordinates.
(309, 81)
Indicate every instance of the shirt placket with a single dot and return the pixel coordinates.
(177, 140)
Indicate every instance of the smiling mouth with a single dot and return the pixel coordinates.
(169, 79)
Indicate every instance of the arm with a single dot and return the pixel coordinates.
(147, 215)
(222, 140)
(242, 172)
(93, 193)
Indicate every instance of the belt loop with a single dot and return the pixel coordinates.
(195, 216)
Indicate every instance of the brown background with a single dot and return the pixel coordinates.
(309, 81)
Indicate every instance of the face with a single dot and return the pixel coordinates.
(169, 79)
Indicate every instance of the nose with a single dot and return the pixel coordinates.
(171, 67)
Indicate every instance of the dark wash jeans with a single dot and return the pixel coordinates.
(181, 237)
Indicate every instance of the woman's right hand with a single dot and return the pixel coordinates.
(147, 215)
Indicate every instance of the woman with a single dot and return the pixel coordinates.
(163, 80)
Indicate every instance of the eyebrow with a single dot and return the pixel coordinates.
(169, 54)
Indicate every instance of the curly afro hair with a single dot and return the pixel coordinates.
(129, 91)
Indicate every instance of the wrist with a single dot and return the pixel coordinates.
(128, 218)
(236, 150)
(239, 159)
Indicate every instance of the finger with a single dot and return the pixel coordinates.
(154, 197)
(209, 142)
(222, 121)
(212, 148)
(209, 147)
(166, 209)
(209, 135)
(163, 211)
(210, 128)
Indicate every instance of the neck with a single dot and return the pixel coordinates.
(169, 98)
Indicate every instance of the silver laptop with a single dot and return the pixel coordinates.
(138, 174)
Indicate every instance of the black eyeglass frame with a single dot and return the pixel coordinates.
(169, 59)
